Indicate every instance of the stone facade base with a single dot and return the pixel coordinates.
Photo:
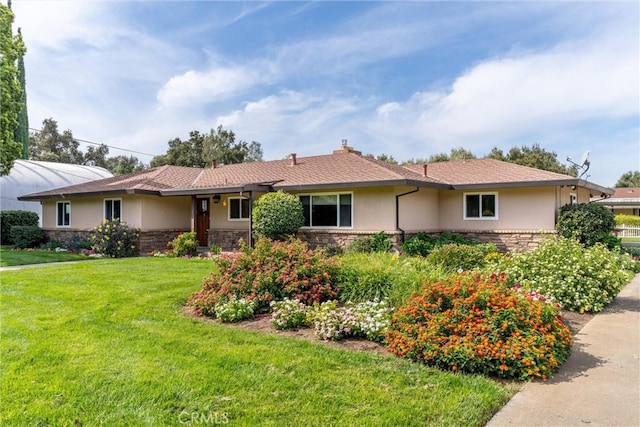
(149, 240)
(342, 238)
(152, 240)
(228, 240)
(505, 241)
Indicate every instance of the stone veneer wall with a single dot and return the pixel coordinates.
(151, 240)
(61, 234)
(505, 241)
(342, 238)
(227, 239)
(148, 241)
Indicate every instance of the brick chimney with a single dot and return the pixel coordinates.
(214, 164)
(294, 159)
(424, 170)
(344, 148)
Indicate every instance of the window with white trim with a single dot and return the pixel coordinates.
(328, 210)
(573, 199)
(63, 214)
(238, 209)
(481, 206)
(112, 209)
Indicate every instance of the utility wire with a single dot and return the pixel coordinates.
(108, 146)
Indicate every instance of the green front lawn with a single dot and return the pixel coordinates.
(10, 257)
(106, 343)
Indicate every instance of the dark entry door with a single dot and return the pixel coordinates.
(202, 221)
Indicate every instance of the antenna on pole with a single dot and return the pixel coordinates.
(584, 163)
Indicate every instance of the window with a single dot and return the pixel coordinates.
(573, 199)
(481, 206)
(327, 210)
(238, 209)
(112, 208)
(63, 214)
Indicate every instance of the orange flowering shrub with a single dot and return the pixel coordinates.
(476, 324)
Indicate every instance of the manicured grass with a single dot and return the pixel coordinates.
(630, 239)
(106, 343)
(10, 258)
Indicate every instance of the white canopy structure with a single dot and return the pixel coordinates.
(29, 176)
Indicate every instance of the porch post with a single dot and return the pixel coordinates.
(251, 218)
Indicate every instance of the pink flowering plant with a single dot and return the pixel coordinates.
(270, 271)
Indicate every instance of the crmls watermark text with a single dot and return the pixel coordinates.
(204, 418)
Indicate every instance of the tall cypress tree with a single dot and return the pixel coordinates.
(11, 48)
(21, 134)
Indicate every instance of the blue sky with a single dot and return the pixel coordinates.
(406, 79)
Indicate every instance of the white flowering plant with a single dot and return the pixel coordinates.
(289, 314)
(234, 310)
(582, 279)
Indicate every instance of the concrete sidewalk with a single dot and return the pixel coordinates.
(599, 385)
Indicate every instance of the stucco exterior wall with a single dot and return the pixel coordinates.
(146, 212)
(518, 209)
(419, 211)
(158, 213)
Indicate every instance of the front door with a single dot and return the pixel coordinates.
(202, 221)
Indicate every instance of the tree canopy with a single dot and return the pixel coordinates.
(535, 157)
(11, 50)
(629, 179)
(52, 146)
(201, 149)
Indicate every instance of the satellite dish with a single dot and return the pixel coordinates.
(584, 163)
(585, 159)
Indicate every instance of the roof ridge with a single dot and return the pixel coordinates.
(379, 163)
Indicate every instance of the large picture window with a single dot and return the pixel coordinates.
(113, 209)
(481, 206)
(238, 209)
(327, 210)
(63, 214)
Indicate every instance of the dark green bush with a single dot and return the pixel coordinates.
(422, 244)
(10, 218)
(589, 223)
(77, 243)
(277, 216)
(26, 236)
(379, 242)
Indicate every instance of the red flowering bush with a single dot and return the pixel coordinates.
(475, 324)
(270, 271)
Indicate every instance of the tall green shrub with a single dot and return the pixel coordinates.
(627, 220)
(10, 218)
(589, 223)
(277, 215)
(26, 236)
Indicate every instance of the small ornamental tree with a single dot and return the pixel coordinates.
(277, 216)
(115, 239)
(589, 223)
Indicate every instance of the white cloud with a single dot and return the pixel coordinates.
(212, 85)
(523, 95)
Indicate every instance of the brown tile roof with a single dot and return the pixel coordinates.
(484, 172)
(625, 195)
(342, 169)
